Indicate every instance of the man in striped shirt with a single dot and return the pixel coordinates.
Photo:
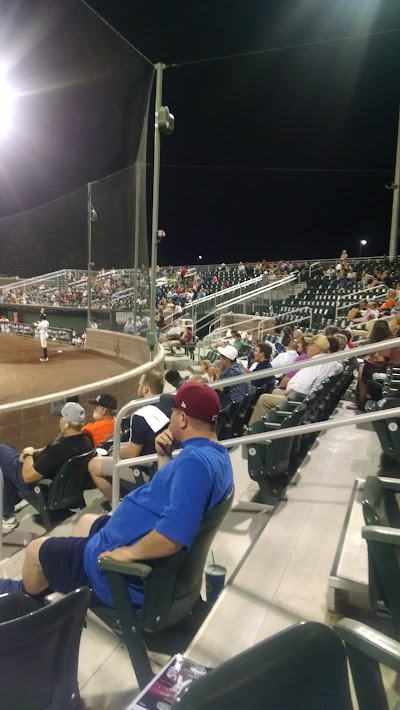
(304, 381)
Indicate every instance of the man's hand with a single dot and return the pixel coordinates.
(121, 554)
(29, 450)
(164, 443)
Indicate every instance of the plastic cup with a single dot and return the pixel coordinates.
(215, 582)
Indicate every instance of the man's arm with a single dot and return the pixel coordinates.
(29, 474)
(150, 547)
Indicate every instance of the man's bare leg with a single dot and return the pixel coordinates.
(84, 524)
(32, 574)
(103, 484)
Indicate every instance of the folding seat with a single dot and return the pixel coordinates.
(382, 533)
(271, 458)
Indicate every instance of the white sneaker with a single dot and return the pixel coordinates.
(22, 504)
(9, 524)
(44, 359)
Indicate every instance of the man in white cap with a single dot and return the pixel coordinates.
(22, 471)
(231, 368)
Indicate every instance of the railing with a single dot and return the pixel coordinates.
(267, 288)
(212, 299)
(63, 335)
(215, 333)
(296, 321)
(364, 293)
(312, 267)
(244, 325)
(253, 438)
(22, 283)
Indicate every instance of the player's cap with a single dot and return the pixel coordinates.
(73, 412)
(229, 352)
(199, 401)
(108, 401)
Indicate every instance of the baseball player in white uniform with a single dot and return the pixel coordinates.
(43, 328)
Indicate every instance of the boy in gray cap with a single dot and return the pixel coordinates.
(22, 471)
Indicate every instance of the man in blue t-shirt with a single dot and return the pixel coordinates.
(262, 361)
(156, 520)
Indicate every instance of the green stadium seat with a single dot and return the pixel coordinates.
(172, 589)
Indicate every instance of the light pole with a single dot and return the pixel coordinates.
(363, 243)
(164, 123)
(395, 186)
(151, 335)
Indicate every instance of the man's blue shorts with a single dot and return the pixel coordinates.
(61, 559)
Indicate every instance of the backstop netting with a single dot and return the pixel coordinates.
(81, 117)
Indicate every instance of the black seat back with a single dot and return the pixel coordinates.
(380, 506)
(303, 667)
(39, 653)
(386, 429)
(69, 483)
(180, 577)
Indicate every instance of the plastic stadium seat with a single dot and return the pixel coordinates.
(382, 533)
(272, 457)
(172, 589)
(64, 491)
(39, 649)
(303, 667)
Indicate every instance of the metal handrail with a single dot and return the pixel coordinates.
(257, 292)
(247, 296)
(230, 289)
(135, 404)
(280, 434)
(312, 266)
(356, 293)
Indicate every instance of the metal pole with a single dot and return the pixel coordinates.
(89, 250)
(151, 337)
(394, 230)
(136, 246)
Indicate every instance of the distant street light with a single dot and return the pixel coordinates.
(8, 97)
(363, 243)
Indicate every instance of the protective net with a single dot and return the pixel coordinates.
(80, 119)
(81, 115)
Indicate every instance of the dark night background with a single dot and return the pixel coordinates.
(260, 164)
(329, 106)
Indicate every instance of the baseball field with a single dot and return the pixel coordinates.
(24, 376)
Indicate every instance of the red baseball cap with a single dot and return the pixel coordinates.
(198, 401)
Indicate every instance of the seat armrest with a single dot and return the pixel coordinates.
(378, 533)
(392, 484)
(373, 643)
(271, 425)
(44, 482)
(134, 569)
(283, 412)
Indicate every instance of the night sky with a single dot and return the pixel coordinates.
(328, 106)
(283, 154)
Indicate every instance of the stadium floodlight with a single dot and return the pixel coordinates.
(363, 243)
(8, 98)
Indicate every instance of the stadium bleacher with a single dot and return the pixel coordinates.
(279, 555)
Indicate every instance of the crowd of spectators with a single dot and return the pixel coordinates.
(113, 289)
